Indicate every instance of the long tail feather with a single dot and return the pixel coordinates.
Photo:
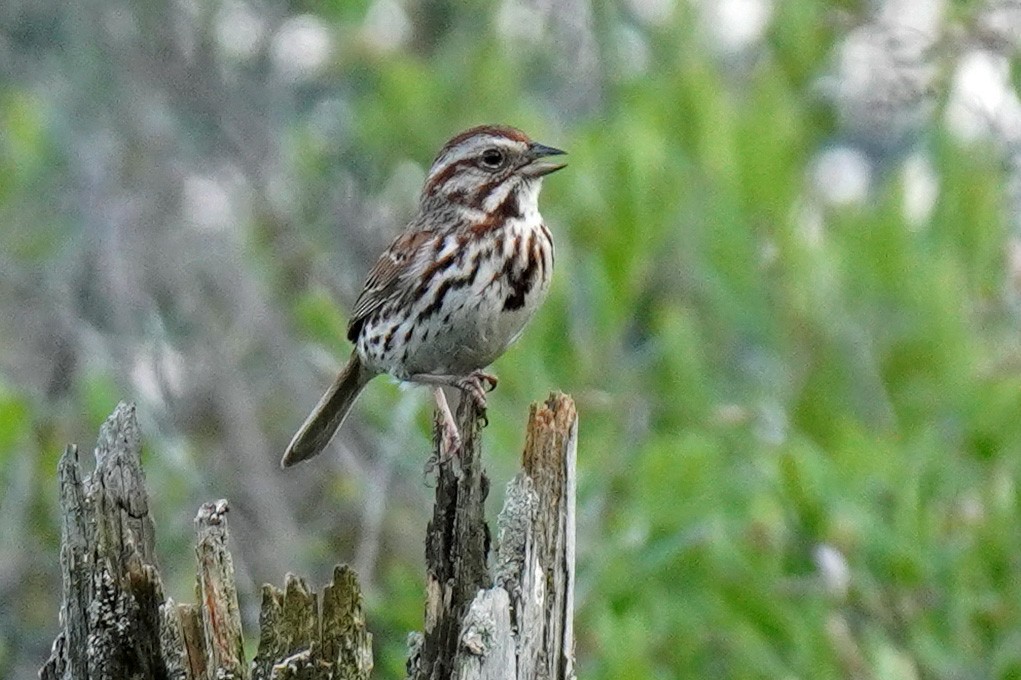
(326, 418)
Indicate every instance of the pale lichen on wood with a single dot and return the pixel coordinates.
(345, 636)
(487, 642)
(298, 640)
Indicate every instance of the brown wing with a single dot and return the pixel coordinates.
(387, 278)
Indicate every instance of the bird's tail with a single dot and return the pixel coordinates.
(326, 418)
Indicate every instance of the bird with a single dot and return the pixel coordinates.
(455, 288)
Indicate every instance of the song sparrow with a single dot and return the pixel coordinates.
(456, 287)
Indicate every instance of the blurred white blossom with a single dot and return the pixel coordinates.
(735, 25)
(999, 24)
(158, 373)
(833, 569)
(207, 203)
(921, 188)
(982, 100)
(842, 175)
(302, 47)
(883, 78)
(521, 21)
(386, 26)
(239, 30)
(921, 16)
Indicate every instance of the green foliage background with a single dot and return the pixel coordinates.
(761, 407)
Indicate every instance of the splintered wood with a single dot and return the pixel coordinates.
(511, 622)
(111, 589)
(116, 623)
(521, 628)
(299, 639)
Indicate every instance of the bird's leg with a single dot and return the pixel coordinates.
(450, 438)
(475, 385)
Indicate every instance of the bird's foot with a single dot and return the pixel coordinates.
(475, 386)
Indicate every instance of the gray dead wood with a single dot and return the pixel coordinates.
(456, 544)
(522, 627)
(547, 563)
(218, 598)
(111, 588)
(487, 639)
(511, 622)
(116, 623)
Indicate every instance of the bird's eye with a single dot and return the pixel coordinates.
(492, 158)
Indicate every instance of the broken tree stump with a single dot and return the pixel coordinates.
(117, 624)
(516, 621)
(508, 615)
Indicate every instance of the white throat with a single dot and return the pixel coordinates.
(528, 198)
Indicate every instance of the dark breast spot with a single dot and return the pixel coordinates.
(438, 267)
(522, 282)
(389, 340)
(437, 302)
(446, 286)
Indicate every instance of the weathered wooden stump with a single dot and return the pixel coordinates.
(511, 620)
(516, 620)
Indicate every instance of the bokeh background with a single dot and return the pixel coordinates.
(787, 303)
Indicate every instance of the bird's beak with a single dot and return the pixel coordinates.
(539, 167)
